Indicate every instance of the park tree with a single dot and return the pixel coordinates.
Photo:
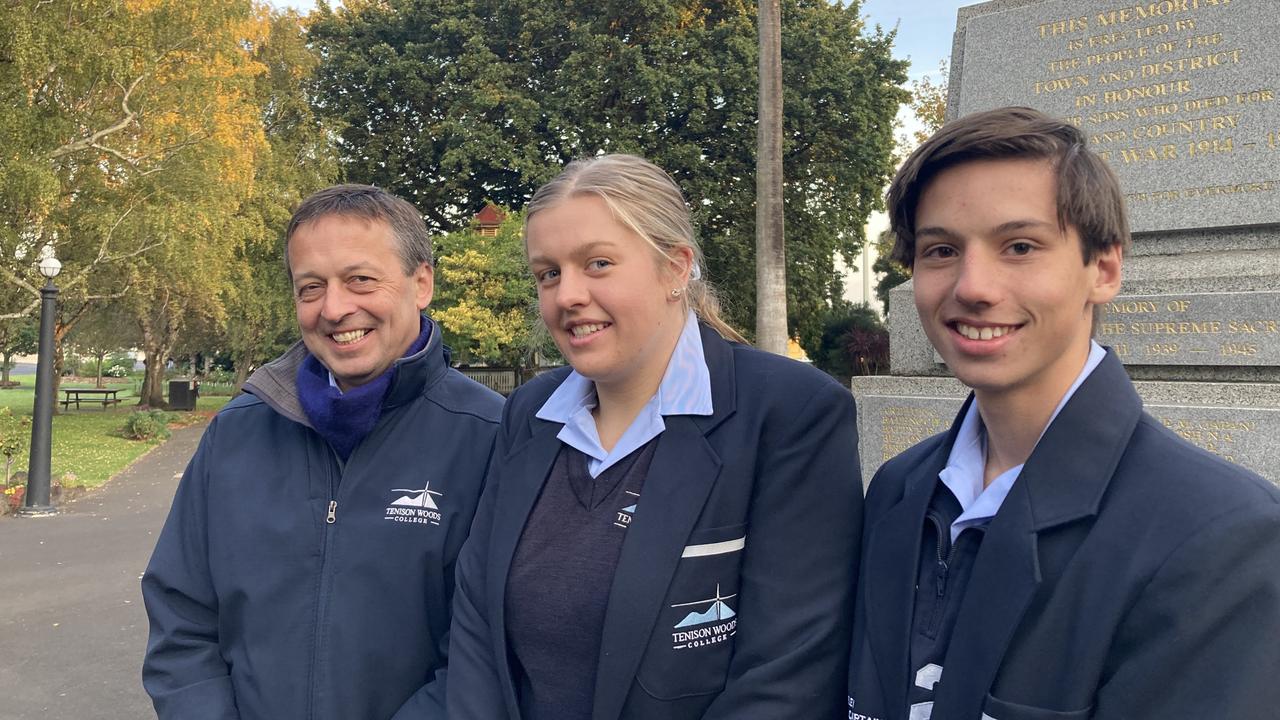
(299, 159)
(18, 336)
(485, 300)
(104, 330)
(450, 103)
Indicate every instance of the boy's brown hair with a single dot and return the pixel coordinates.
(1089, 195)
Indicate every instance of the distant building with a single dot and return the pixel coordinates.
(860, 282)
(488, 220)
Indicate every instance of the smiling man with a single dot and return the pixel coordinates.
(1058, 553)
(306, 568)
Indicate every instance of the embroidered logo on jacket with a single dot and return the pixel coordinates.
(717, 623)
(624, 515)
(415, 506)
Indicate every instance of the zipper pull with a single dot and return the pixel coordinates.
(333, 512)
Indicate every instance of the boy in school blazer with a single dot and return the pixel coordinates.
(732, 593)
(1058, 553)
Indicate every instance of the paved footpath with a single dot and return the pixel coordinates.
(72, 625)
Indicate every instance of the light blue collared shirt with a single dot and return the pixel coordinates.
(965, 465)
(685, 390)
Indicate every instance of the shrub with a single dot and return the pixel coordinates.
(116, 371)
(147, 425)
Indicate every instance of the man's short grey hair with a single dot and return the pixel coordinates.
(413, 241)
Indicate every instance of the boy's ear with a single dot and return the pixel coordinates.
(1108, 265)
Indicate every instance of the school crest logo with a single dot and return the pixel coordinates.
(624, 515)
(714, 624)
(415, 506)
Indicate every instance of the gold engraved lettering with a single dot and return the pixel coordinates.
(1255, 96)
(903, 426)
(1143, 11)
(1062, 83)
(1068, 26)
(1186, 127)
(1147, 92)
(1191, 64)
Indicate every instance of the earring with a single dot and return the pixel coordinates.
(676, 292)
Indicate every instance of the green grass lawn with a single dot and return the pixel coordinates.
(88, 442)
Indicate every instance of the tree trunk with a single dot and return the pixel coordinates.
(159, 336)
(771, 273)
(8, 365)
(100, 357)
(242, 365)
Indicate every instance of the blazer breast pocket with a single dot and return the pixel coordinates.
(997, 709)
(692, 644)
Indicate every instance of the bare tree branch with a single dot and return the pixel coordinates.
(130, 116)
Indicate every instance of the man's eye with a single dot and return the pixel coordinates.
(307, 292)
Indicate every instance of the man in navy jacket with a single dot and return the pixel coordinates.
(1058, 553)
(306, 568)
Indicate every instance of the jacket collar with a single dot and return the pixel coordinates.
(276, 382)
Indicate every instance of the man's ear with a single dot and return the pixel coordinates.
(424, 285)
(1108, 265)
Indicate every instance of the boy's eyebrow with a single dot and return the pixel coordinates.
(936, 231)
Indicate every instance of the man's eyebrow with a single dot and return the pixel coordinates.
(354, 267)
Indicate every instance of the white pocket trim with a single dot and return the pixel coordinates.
(719, 548)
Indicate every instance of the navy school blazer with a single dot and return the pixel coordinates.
(1128, 574)
(776, 465)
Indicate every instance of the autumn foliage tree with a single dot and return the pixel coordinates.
(485, 300)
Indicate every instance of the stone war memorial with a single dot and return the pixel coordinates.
(1180, 97)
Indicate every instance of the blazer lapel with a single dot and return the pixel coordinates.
(1062, 482)
(681, 475)
(891, 557)
(1005, 577)
(683, 469)
(530, 464)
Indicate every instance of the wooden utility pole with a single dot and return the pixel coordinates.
(771, 269)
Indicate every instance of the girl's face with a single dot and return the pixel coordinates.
(605, 294)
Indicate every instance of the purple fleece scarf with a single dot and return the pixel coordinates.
(344, 419)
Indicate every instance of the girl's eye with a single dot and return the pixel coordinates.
(599, 264)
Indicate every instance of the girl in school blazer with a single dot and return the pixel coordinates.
(670, 527)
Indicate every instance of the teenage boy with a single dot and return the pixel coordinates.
(1057, 554)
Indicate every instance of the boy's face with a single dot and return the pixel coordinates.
(1003, 293)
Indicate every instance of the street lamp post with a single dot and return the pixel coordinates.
(37, 500)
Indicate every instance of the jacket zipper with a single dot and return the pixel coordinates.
(941, 569)
(336, 470)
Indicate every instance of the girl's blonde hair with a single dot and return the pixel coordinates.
(645, 200)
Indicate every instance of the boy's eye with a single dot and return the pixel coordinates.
(545, 276)
(939, 251)
(1021, 248)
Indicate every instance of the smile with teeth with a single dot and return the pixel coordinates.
(348, 337)
(586, 329)
(983, 333)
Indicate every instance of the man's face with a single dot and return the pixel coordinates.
(357, 310)
(1003, 293)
